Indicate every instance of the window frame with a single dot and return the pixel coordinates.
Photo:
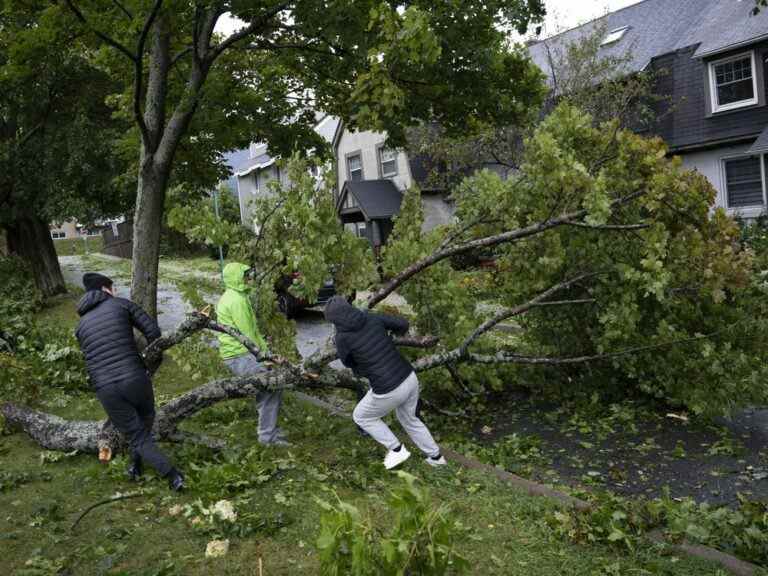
(619, 34)
(716, 107)
(724, 175)
(380, 149)
(348, 170)
(58, 235)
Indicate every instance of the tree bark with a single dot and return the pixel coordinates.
(30, 239)
(147, 224)
(153, 173)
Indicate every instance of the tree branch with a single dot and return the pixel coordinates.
(252, 28)
(517, 310)
(487, 242)
(138, 81)
(107, 39)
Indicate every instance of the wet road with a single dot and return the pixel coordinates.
(312, 329)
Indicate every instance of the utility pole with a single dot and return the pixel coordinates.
(221, 250)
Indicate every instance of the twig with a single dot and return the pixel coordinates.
(107, 501)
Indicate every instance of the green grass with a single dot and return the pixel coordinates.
(274, 492)
(78, 246)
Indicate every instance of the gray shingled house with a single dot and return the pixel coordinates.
(713, 54)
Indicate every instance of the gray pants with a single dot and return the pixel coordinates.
(267, 403)
(372, 408)
(130, 406)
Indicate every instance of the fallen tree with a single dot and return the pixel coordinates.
(606, 256)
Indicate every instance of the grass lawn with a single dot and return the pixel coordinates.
(78, 246)
(274, 492)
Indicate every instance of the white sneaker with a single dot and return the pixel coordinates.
(393, 459)
(436, 461)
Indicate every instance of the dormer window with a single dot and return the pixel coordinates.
(733, 82)
(614, 36)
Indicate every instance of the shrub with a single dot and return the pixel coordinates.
(421, 540)
(32, 356)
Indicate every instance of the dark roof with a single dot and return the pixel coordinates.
(657, 27)
(257, 162)
(376, 198)
(760, 146)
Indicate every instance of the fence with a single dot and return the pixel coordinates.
(120, 244)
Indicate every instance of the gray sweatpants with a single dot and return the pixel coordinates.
(372, 408)
(267, 403)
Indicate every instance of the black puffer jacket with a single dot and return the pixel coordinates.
(363, 344)
(106, 337)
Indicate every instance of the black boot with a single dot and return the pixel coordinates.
(136, 469)
(175, 480)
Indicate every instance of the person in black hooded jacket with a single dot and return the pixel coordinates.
(118, 374)
(363, 344)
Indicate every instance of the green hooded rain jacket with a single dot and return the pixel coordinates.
(234, 309)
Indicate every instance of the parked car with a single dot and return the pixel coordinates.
(290, 305)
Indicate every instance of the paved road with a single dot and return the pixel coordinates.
(312, 329)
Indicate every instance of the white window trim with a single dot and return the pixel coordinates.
(381, 151)
(713, 83)
(746, 211)
(349, 168)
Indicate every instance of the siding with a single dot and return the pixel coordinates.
(255, 185)
(683, 120)
(368, 143)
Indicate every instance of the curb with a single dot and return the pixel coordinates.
(731, 563)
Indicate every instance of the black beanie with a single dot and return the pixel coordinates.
(96, 281)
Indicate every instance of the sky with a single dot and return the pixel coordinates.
(564, 14)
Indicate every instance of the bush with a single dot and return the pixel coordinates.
(32, 356)
(621, 522)
(421, 540)
(754, 235)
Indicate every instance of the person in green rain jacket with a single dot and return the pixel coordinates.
(234, 309)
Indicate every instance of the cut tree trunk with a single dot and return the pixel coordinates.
(30, 239)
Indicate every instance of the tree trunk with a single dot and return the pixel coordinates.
(30, 239)
(147, 223)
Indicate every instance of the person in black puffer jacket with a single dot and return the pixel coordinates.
(363, 344)
(118, 374)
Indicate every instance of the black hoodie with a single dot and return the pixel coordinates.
(363, 344)
(105, 333)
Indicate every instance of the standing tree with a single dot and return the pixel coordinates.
(381, 65)
(55, 138)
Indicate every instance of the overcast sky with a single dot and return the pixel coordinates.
(564, 14)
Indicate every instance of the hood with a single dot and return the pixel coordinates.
(234, 276)
(343, 314)
(91, 299)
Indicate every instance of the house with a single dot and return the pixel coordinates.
(714, 113)
(255, 174)
(372, 180)
(71, 229)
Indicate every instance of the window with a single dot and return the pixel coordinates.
(361, 227)
(614, 36)
(387, 162)
(355, 167)
(744, 182)
(56, 235)
(732, 82)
